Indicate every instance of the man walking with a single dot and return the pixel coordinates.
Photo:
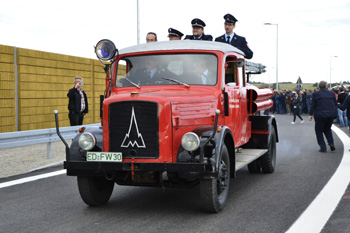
(324, 110)
(78, 104)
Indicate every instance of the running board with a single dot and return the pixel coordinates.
(246, 156)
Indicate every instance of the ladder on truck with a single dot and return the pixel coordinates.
(253, 68)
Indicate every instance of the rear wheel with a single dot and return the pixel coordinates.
(255, 166)
(214, 192)
(268, 160)
(95, 191)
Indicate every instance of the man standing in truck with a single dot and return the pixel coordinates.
(198, 31)
(233, 39)
(174, 34)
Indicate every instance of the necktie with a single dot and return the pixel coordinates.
(228, 40)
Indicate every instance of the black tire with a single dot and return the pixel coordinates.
(214, 192)
(255, 166)
(95, 191)
(268, 160)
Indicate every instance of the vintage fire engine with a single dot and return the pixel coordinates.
(174, 114)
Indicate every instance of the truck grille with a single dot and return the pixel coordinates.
(133, 129)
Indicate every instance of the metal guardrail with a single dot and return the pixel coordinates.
(32, 137)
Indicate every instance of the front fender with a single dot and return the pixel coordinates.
(203, 132)
(78, 154)
(225, 137)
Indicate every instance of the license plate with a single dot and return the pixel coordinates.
(104, 156)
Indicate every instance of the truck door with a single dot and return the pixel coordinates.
(235, 100)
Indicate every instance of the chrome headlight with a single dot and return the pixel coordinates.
(190, 141)
(87, 141)
(105, 50)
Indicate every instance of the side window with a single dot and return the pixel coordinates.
(231, 71)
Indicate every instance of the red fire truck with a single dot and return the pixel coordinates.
(174, 114)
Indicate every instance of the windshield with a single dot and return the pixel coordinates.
(167, 69)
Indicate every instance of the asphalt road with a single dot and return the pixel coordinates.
(257, 202)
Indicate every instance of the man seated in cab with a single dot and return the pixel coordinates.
(233, 39)
(207, 75)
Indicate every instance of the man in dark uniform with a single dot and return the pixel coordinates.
(174, 34)
(324, 110)
(233, 39)
(198, 31)
(78, 104)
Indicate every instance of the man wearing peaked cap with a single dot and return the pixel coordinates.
(198, 31)
(174, 34)
(233, 39)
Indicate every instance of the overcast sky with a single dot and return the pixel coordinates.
(310, 32)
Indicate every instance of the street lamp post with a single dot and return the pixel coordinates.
(276, 51)
(330, 71)
(138, 22)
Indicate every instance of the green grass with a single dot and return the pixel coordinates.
(288, 87)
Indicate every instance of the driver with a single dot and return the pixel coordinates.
(150, 74)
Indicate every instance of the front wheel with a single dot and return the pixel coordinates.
(95, 191)
(214, 192)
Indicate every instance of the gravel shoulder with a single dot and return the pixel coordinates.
(21, 160)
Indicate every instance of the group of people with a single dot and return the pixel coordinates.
(323, 105)
(198, 34)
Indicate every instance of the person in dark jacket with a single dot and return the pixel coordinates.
(296, 102)
(324, 110)
(346, 106)
(342, 114)
(198, 31)
(78, 103)
(232, 38)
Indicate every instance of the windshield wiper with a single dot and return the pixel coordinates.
(176, 81)
(133, 83)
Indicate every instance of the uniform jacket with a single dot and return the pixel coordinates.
(204, 37)
(74, 104)
(238, 42)
(323, 104)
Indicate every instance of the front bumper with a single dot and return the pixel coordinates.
(83, 168)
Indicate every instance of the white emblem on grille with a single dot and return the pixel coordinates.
(127, 141)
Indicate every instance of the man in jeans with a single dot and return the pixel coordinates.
(343, 120)
(78, 104)
(324, 110)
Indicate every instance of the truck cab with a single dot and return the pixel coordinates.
(175, 114)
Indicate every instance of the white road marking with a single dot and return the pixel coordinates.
(315, 217)
(32, 178)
